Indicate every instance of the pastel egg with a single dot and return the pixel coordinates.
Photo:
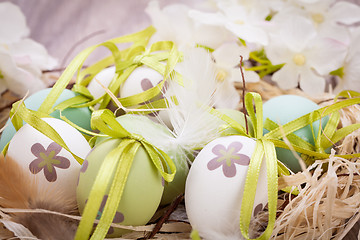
(104, 76)
(215, 185)
(177, 187)
(142, 192)
(285, 108)
(159, 136)
(52, 165)
(140, 80)
(79, 116)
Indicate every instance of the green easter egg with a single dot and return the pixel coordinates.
(142, 193)
(238, 117)
(152, 132)
(79, 116)
(285, 108)
(177, 187)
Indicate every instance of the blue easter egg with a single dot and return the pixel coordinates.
(285, 108)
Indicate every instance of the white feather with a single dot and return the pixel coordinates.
(193, 125)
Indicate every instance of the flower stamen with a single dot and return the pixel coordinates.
(299, 59)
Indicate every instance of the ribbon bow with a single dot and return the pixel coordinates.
(119, 160)
(130, 59)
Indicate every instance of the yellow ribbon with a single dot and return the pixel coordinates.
(265, 147)
(119, 161)
(135, 56)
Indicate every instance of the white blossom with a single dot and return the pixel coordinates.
(351, 70)
(21, 59)
(244, 21)
(172, 23)
(307, 57)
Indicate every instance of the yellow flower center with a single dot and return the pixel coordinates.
(317, 17)
(240, 22)
(299, 59)
(221, 75)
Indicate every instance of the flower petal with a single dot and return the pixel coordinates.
(216, 19)
(326, 55)
(64, 162)
(204, 35)
(242, 160)
(34, 166)
(350, 81)
(53, 147)
(36, 149)
(248, 32)
(17, 79)
(50, 176)
(226, 96)
(218, 150)
(214, 164)
(234, 147)
(277, 53)
(287, 77)
(228, 54)
(251, 76)
(311, 83)
(294, 30)
(345, 12)
(84, 166)
(229, 171)
(35, 51)
(12, 23)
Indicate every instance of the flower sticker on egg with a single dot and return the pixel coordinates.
(227, 158)
(47, 160)
(118, 218)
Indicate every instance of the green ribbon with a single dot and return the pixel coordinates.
(119, 160)
(76, 64)
(136, 55)
(265, 148)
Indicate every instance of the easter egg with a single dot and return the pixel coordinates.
(238, 117)
(142, 192)
(177, 186)
(159, 136)
(104, 76)
(140, 80)
(215, 185)
(285, 108)
(79, 116)
(52, 165)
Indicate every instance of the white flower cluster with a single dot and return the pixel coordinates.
(298, 43)
(21, 58)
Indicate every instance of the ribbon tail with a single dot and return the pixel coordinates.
(116, 190)
(103, 178)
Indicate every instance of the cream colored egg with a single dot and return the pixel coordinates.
(104, 76)
(52, 165)
(215, 185)
(140, 80)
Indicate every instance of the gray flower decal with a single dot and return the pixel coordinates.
(47, 160)
(118, 218)
(227, 158)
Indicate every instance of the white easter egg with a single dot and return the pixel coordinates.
(215, 185)
(53, 166)
(140, 80)
(104, 76)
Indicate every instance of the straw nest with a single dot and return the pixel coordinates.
(327, 206)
